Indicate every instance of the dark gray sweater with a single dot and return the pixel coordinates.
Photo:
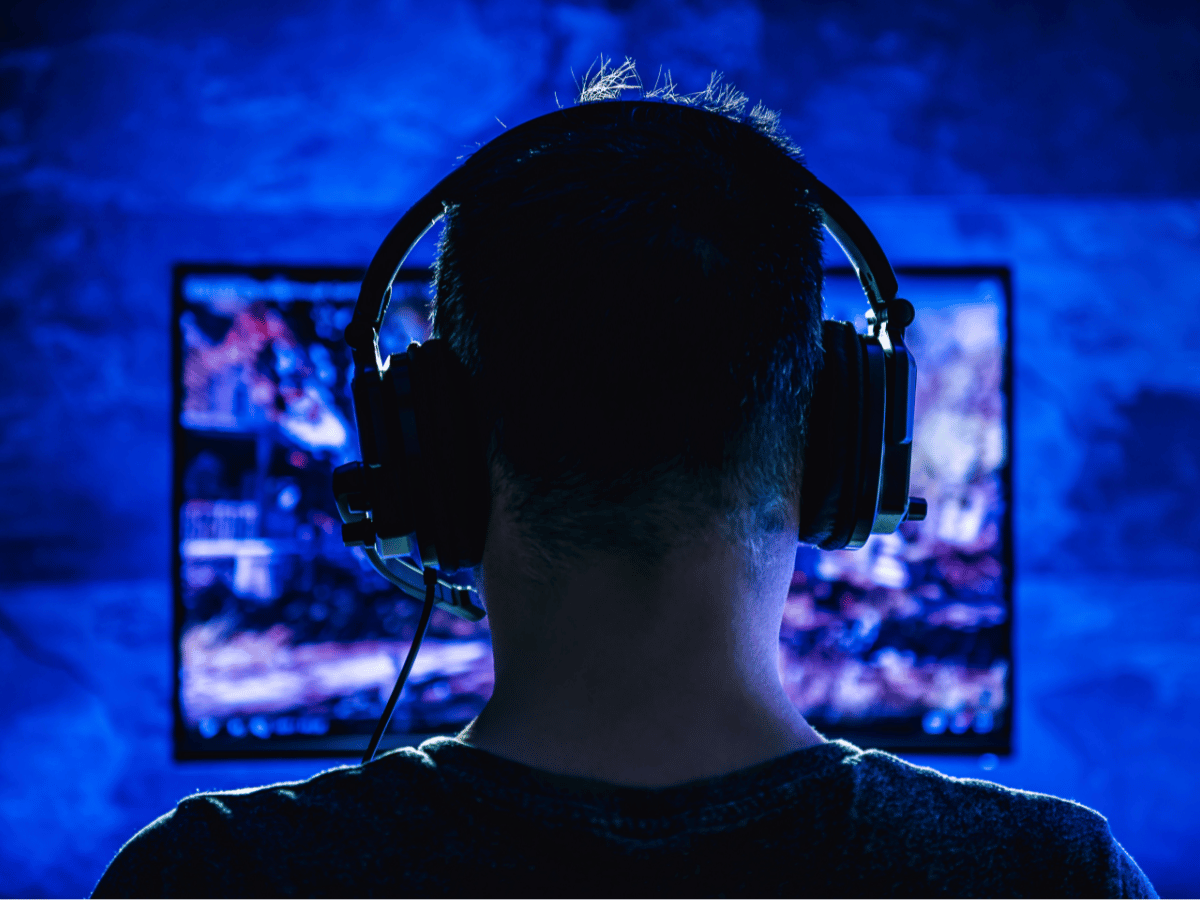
(448, 819)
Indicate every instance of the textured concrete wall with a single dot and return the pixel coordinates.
(1061, 139)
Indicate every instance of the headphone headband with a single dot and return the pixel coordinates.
(362, 334)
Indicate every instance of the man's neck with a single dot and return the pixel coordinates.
(640, 677)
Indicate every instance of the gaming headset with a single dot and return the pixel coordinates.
(422, 491)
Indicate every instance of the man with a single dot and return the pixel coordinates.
(638, 303)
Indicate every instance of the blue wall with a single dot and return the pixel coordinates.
(1061, 139)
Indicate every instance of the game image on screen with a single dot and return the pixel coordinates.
(288, 643)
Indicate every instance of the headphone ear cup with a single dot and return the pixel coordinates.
(833, 454)
(453, 457)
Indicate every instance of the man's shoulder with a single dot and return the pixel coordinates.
(977, 833)
(407, 775)
(235, 842)
(888, 785)
(342, 800)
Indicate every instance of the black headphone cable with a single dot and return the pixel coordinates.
(431, 580)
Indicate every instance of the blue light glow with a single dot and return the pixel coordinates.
(137, 138)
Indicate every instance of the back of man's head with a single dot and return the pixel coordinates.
(635, 290)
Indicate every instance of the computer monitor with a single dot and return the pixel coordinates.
(288, 644)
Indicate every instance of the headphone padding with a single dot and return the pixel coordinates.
(453, 456)
(833, 447)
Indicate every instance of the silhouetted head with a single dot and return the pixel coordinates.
(636, 293)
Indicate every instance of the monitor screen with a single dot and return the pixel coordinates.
(288, 643)
(906, 643)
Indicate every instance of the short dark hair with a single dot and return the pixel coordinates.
(637, 297)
